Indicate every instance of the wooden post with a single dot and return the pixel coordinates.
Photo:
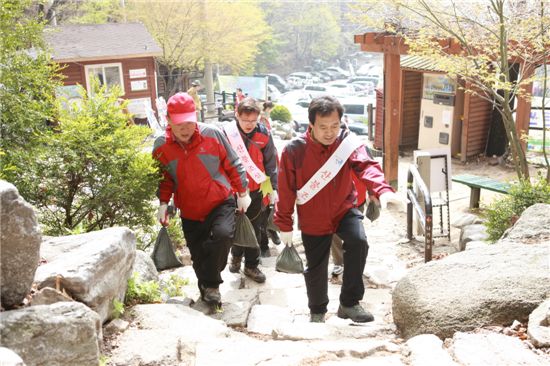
(392, 117)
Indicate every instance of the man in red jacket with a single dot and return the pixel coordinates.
(315, 174)
(201, 171)
(254, 144)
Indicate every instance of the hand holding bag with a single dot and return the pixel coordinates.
(244, 232)
(163, 254)
(289, 261)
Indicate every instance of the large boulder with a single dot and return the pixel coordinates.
(493, 349)
(532, 227)
(61, 334)
(493, 285)
(92, 268)
(19, 246)
(144, 267)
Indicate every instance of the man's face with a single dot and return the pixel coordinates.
(183, 131)
(326, 128)
(248, 121)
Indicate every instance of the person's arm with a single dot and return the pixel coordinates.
(270, 162)
(369, 172)
(284, 208)
(166, 184)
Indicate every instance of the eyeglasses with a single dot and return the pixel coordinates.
(251, 121)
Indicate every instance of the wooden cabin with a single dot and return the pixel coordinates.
(117, 54)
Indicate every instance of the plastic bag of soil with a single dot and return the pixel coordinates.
(244, 232)
(270, 224)
(163, 253)
(289, 261)
(373, 209)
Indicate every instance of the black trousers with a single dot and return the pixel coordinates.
(209, 242)
(264, 239)
(255, 214)
(317, 249)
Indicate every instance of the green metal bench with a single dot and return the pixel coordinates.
(476, 182)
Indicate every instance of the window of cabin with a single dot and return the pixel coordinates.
(107, 74)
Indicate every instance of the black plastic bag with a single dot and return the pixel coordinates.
(289, 261)
(244, 232)
(373, 209)
(270, 224)
(163, 253)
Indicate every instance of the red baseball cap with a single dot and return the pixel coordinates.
(181, 108)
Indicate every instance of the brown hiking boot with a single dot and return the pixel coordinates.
(356, 313)
(235, 265)
(255, 274)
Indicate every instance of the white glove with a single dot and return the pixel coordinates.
(273, 197)
(243, 202)
(286, 237)
(162, 214)
(391, 198)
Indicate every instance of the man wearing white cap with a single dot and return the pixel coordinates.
(201, 170)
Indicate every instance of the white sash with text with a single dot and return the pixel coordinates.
(237, 143)
(329, 170)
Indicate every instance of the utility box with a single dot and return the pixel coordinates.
(437, 113)
(434, 166)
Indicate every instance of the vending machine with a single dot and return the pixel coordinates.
(437, 112)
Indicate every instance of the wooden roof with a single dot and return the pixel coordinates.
(89, 42)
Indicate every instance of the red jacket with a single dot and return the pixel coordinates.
(201, 174)
(321, 215)
(263, 153)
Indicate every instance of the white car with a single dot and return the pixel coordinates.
(295, 82)
(338, 70)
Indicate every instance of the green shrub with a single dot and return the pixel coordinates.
(91, 171)
(502, 214)
(281, 113)
(118, 308)
(142, 292)
(27, 87)
(174, 286)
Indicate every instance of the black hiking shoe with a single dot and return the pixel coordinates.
(355, 313)
(235, 265)
(255, 274)
(211, 295)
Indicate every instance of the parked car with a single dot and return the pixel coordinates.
(305, 76)
(276, 80)
(338, 70)
(329, 76)
(357, 107)
(322, 78)
(359, 128)
(315, 90)
(294, 82)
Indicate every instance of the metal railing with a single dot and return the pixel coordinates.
(425, 215)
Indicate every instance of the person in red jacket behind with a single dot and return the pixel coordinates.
(201, 171)
(315, 174)
(254, 145)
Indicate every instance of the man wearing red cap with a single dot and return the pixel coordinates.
(201, 171)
